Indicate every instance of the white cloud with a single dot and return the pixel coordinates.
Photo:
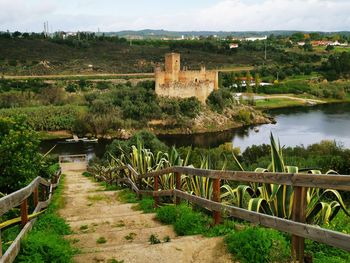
(229, 15)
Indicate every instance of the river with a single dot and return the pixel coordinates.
(295, 126)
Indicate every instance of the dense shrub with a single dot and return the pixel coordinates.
(258, 245)
(48, 118)
(20, 161)
(185, 220)
(148, 139)
(190, 107)
(45, 243)
(219, 99)
(45, 247)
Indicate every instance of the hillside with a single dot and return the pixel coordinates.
(43, 57)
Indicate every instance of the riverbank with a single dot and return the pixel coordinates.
(207, 121)
(267, 102)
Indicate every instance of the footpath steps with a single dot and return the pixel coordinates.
(105, 229)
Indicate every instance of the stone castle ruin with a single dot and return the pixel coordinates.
(174, 82)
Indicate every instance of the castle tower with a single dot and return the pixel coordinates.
(172, 66)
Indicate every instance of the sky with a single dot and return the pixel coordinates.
(175, 15)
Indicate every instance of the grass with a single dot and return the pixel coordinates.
(97, 198)
(166, 239)
(153, 239)
(184, 219)
(120, 224)
(259, 245)
(130, 236)
(101, 240)
(45, 243)
(245, 243)
(126, 196)
(146, 205)
(273, 103)
(114, 261)
(84, 227)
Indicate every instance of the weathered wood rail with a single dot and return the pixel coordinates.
(300, 182)
(20, 198)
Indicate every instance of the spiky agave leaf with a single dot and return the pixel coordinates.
(260, 205)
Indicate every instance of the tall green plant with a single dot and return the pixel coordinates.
(277, 200)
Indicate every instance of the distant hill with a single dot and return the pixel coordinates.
(43, 57)
(151, 33)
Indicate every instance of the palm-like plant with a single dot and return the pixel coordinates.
(277, 200)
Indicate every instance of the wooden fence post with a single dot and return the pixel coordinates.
(299, 215)
(178, 187)
(0, 245)
(156, 188)
(36, 196)
(24, 212)
(43, 192)
(216, 198)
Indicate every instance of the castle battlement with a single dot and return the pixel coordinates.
(173, 82)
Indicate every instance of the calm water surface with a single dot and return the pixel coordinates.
(295, 126)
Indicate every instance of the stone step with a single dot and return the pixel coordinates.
(105, 213)
(192, 249)
(102, 223)
(115, 237)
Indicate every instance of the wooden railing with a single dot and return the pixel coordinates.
(300, 182)
(20, 198)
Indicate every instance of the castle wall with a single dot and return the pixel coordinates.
(184, 84)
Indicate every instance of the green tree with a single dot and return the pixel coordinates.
(20, 160)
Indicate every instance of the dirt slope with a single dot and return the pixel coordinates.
(123, 232)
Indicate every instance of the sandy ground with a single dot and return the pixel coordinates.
(96, 214)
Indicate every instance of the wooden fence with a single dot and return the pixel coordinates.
(300, 182)
(20, 198)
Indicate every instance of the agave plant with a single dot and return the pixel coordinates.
(277, 200)
(144, 161)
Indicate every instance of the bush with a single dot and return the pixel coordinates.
(244, 116)
(190, 107)
(185, 220)
(20, 160)
(45, 243)
(71, 87)
(167, 214)
(48, 118)
(149, 140)
(219, 99)
(146, 205)
(45, 247)
(258, 245)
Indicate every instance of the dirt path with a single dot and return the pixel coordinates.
(311, 101)
(123, 233)
(99, 75)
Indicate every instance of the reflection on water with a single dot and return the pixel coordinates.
(295, 126)
(63, 148)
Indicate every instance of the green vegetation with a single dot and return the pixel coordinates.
(325, 208)
(130, 236)
(153, 239)
(45, 243)
(19, 150)
(185, 220)
(256, 244)
(47, 118)
(127, 196)
(146, 205)
(101, 240)
(277, 200)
